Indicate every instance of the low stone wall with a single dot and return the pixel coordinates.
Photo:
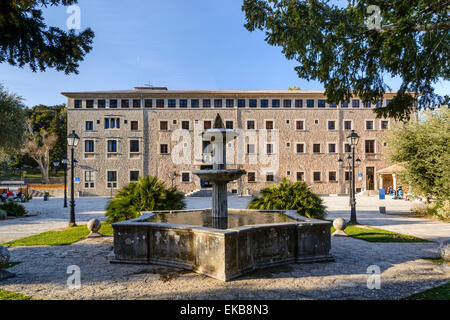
(38, 190)
(222, 254)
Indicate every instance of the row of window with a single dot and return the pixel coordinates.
(219, 103)
(89, 177)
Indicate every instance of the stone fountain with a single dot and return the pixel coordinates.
(220, 242)
(219, 175)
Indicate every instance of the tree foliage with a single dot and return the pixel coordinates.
(25, 39)
(145, 195)
(290, 196)
(335, 46)
(12, 118)
(424, 148)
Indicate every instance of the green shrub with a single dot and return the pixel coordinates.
(2, 214)
(13, 208)
(145, 195)
(290, 196)
(443, 210)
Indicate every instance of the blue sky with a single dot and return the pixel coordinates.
(180, 44)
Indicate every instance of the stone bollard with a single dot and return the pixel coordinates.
(339, 224)
(4, 260)
(444, 250)
(94, 226)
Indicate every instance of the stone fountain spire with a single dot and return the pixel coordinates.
(219, 175)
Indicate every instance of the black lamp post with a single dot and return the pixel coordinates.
(56, 164)
(352, 139)
(64, 161)
(72, 142)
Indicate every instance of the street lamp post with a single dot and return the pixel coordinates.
(352, 139)
(64, 161)
(72, 142)
(56, 164)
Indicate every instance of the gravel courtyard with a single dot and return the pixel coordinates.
(42, 272)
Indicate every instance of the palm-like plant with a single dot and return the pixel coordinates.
(147, 194)
(290, 196)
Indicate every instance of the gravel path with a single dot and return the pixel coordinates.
(43, 274)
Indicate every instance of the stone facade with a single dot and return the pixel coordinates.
(141, 122)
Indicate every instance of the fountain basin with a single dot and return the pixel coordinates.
(219, 175)
(222, 254)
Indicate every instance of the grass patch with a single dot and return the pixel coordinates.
(439, 293)
(8, 295)
(435, 260)
(371, 234)
(59, 237)
(11, 264)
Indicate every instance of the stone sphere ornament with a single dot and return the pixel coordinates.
(4, 260)
(4, 257)
(94, 226)
(444, 250)
(339, 224)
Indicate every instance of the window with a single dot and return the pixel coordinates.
(89, 179)
(269, 148)
(252, 103)
(369, 125)
(251, 125)
(384, 124)
(367, 105)
(378, 104)
(300, 176)
(217, 103)
(316, 148)
(347, 125)
(183, 103)
(370, 146)
(160, 103)
(250, 148)
(89, 104)
(89, 125)
(134, 145)
(136, 103)
(164, 125)
(264, 103)
(241, 103)
(300, 148)
(347, 147)
(112, 179)
(316, 121)
(89, 146)
(207, 125)
(251, 176)
(333, 105)
(331, 125)
(275, 103)
(125, 103)
(355, 103)
(101, 103)
(185, 177)
(317, 176)
(287, 103)
(112, 145)
(134, 176)
(229, 124)
(344, 104)
(387, 101)
(206, 103)
(310, 103)
(269, 177)
(332, 176)
(171, 103)
(77, 104)
(195, 103)
(299, 103)
(288, 173)
(185, 124)
(113, 104)
(112, 123)
(347, 175)
(134, 125)
(148, 103)
(300, 125)
(321, 103)
(269, 125)
(331, 148)
(163, 149)
(229, 103)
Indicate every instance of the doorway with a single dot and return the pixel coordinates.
(370, 178)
